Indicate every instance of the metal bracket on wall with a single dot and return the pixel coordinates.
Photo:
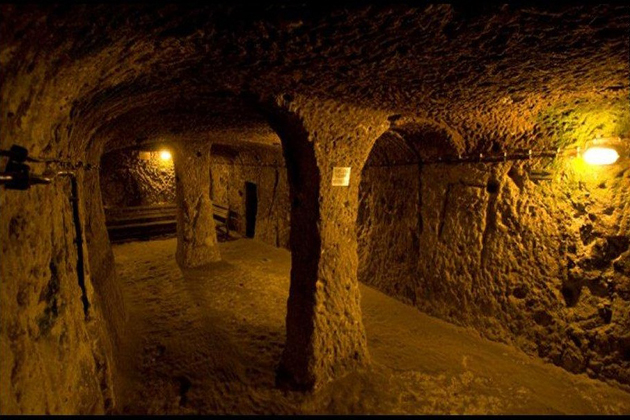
(17, 176)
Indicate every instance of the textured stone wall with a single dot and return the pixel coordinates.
(543, 264)
(229, 174)
(54, 359)
(132, 177)
(388, 229)
(103, 276)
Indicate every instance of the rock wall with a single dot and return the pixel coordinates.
(388, 229)
(325, 334)
(132, 177)
(129, 178)
(542, 264)
(54, 354)
(196, 232)
(231, 169)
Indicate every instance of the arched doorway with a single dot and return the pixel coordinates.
(390, 220)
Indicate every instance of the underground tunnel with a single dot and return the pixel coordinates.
(291, 208)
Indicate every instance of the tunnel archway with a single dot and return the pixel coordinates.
(304, 169)
(241, 150)
(390, 224)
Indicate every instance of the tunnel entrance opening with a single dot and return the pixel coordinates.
(393, 229)
(251, 208)
(249, 180)
(389, 223)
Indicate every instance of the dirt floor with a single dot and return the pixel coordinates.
(208, 341)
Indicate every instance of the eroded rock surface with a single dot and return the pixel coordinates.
(136, 178)
(324, 316)
(540, 264)
(196, 233)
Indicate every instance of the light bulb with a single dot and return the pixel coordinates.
(600, 155)
(165, 155)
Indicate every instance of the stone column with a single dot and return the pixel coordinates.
(196, 234)
(325, 334)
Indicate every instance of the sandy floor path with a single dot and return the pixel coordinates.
(208, 340)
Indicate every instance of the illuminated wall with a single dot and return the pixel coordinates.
(533, 253)
(137, 178)
(263, 166)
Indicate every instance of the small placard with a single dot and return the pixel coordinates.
(341, 176)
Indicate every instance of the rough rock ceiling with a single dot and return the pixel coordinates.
(487, 70)
(219, 119)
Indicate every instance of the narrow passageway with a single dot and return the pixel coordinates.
(208, 340)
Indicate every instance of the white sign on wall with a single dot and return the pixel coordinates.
(341, 176)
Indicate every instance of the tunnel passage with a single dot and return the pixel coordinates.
(531, 253)
(147, 193)
(483, 255)
(389, 224)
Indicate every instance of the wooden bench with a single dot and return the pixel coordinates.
(145, 222)
(141, 222)
(222, 218)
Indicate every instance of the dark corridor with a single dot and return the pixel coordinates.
(251, 208)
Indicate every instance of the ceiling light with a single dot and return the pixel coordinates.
(165, 155)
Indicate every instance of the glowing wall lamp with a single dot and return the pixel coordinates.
(600, 152)
(600, 155)
(165, 155)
